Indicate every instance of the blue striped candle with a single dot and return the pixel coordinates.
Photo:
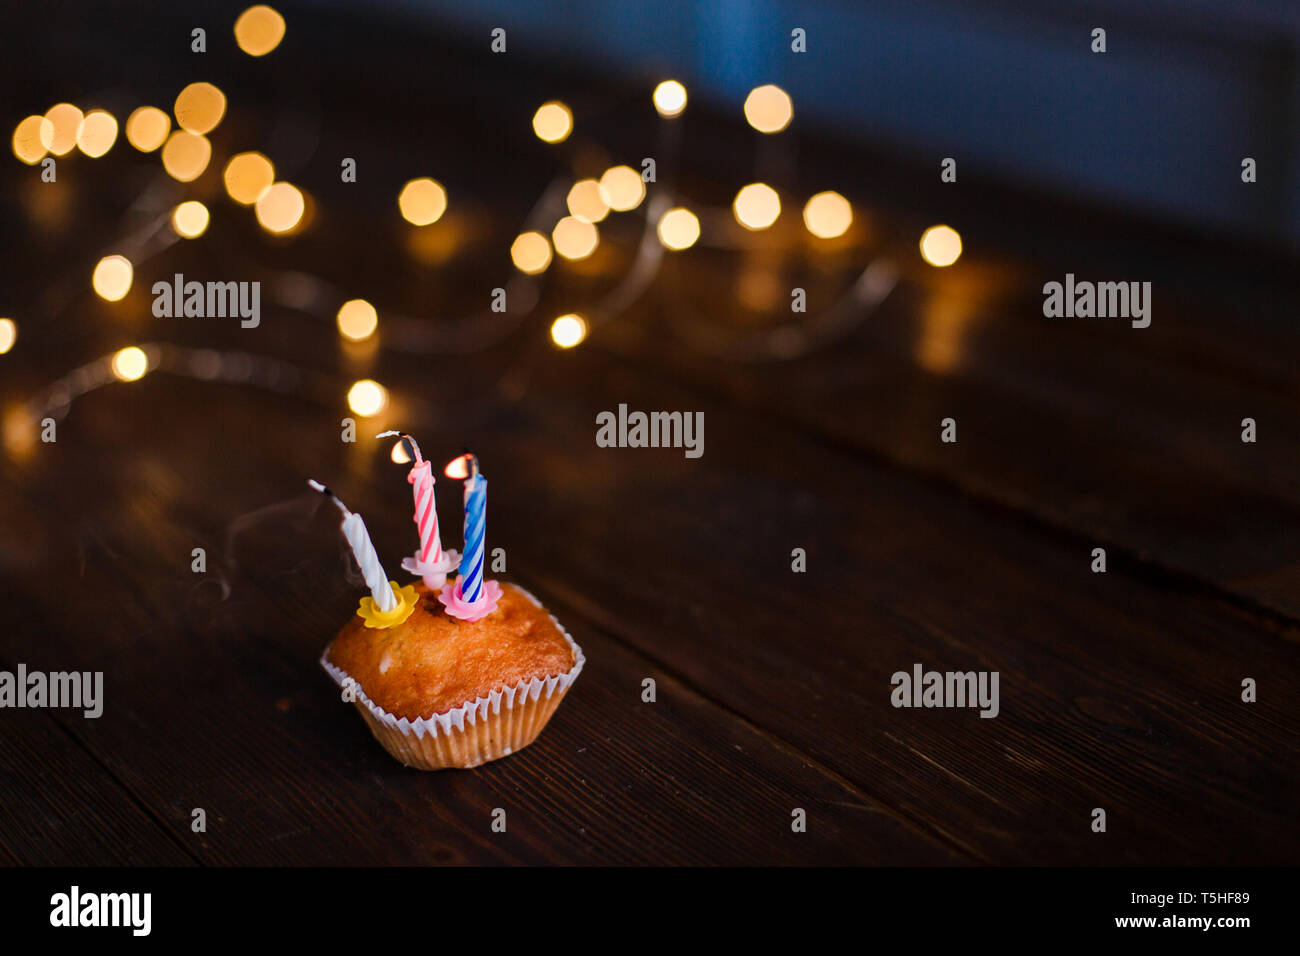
(469, 584)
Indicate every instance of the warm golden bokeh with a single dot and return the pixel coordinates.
(670, 98)
(575, 239)
(758, 288)
(768, 109)
(946, 319)
(531, 253)
(280, 208)
(199, 108)
(940, 246)
(827, 215)
(622, 188)
(190, 219)
(98, 133)
(130, 364)
(367, 398)
(678, 228)
(8, 335)
(147, 128)
(186, 156)
(32, 138)
(553, 122)
(357, 320)
(586, 201)
(422, 201)
(247, 176)
(66, 120)
(19, 432)
(756, 206)
(259, 30)
(458, 467)
(568, 330)
(438, 246)
(112, 277)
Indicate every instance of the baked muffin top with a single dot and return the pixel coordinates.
(432, 663)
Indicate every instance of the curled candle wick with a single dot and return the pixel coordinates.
(317, 486)
(419, 459)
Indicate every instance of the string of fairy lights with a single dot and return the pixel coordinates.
(565, 224)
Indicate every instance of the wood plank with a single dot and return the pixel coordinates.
(1127, 438)
(221, 704)
(1129, 703)
(62, 808)
(1118, 693)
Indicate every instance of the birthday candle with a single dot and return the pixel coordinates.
(469, 584)
(426, 515)
(426, 511)
(354, 529)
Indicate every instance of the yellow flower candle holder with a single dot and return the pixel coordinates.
(372, 616)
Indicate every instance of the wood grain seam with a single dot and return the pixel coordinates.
(1144, 570)
(946, 840)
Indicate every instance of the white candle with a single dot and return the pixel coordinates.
(354, 529)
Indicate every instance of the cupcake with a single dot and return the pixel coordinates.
(438, 691)
(448, 674)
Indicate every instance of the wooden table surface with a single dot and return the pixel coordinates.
(1119, 691)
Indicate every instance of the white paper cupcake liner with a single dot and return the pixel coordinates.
(477, 731)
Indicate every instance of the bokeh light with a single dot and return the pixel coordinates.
(367, 398)
(553, 122)
(186, 156)
(190, 219)
(758, 287)
(98, 133)
(247, 177)
(946, 318)
(531, 253)
(259, 30)
(8, 335)
(768, 109)
(670, 98)
(399, 454)
(20, 431)
(357, 320)
(112, 277)
(280, 208)
(32, 138)
(827, 215)
(622, 188)
(586, 201)
(66, 120)
(199, 108)
(940, 246)
(756, 206)
(130, 364)
(147, 128)
(678, 228)
(568, 330)
(422, 201)
(575, 239)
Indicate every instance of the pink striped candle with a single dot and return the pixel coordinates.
(426, 512)
(430, 561)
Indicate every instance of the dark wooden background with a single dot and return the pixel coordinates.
(1118, 690)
